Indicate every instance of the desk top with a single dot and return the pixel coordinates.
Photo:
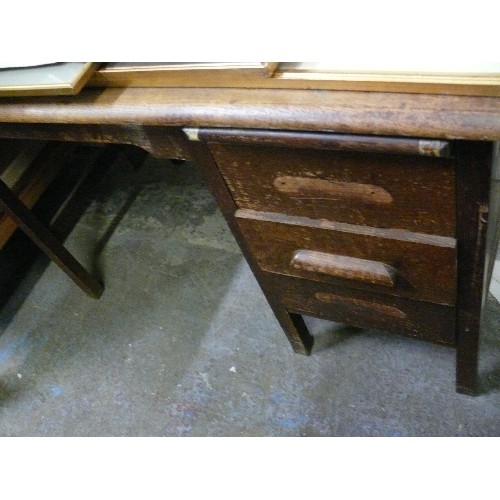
(420, 115)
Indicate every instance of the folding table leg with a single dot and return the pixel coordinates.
(47, 242)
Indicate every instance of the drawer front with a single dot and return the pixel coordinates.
(403, 191)
(392, 262)
(423, 320)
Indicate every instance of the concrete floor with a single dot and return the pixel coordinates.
(183, 343)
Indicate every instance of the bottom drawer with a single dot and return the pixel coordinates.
(422, 320)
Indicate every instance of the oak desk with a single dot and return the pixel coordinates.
(372, 209)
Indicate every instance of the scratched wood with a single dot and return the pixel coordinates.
(386, 191)
(342, 266)
(369, 113)
(275, 238)
(122, 113)
(365, 309)
(161, 142)
(307, 188)
(320, 140)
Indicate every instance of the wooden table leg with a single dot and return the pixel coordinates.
(295, 329)
(474, 165)
(47, 242)
(293, 324)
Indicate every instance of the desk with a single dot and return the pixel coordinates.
(373, 209)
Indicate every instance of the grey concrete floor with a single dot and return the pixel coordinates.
(183, 343)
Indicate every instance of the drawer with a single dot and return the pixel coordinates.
(389, 261)
(355, 183)
(423, 320)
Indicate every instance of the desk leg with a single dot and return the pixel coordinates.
(47, 242)
(294, 327)
(474, 162)
(293, 324)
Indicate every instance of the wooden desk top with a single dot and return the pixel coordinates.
(421, 115)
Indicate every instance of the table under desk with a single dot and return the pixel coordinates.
(372, 209)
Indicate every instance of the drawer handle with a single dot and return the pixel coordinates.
(360, 304)
(306, 187)
(341, 266)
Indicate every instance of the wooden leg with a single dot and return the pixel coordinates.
(474, 162)
(293, 324)
(47, 242)
(467, 354)
(295, 330)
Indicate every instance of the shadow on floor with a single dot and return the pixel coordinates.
(60, 208)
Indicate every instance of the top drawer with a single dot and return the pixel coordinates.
(372, 181)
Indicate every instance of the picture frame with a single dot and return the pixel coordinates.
(62, 78)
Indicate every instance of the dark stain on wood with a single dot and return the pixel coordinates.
(364, 305)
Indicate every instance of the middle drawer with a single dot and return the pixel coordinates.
(389, 261)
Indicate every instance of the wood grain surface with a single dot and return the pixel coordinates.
(372, 113)
(365, 309)
(275, 238)
(321, 140)
(293, 324)
(380, 190)
(342, 266)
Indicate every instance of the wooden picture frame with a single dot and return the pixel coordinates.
(182, 74)
(481, 79)
(428, 78)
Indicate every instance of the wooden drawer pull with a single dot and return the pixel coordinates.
(310, 188)
(341, 266)
(361, 304)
